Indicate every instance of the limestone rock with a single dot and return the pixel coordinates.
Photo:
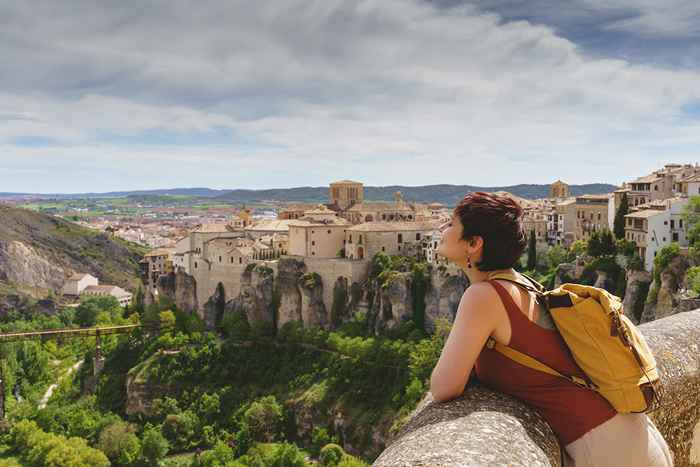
(256, 296)
(179, 287)
(443, 295)
(214, 307)
(313, 310)
(289, 271)
(21, 264)
(635, 294)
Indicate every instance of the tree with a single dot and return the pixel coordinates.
(139, 300)
(264, 418)
(619, 224)
(601, 243)
(94, 309)
(154, 446)
(119, 443)
(531, 252)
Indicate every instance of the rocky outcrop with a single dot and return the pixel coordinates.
(484, 428)
(289, 271)
(214, 307)
(179, 287)
(447, 285)
(141, 391)
(635, 294)
(21, 264)
(393, 302)
(256, 298)
(313, 310)
(663, 299)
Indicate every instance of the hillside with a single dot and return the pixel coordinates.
(445, 194)
(40, 251)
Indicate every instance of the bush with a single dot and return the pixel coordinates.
(93, 309)
(235, 325)
(154, 446)
(119, 443)
(693, 279)
(180, 429)
(264, 419)
(330, 455)
(663, 258)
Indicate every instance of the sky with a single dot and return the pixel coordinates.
(99, 95)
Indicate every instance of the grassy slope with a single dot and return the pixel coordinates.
(111, 260)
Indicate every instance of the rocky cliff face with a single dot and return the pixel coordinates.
(443, 295)
(635, 294)
(256, 297)
(179, 287)
(663, 300)
(289, 271)
(21, 264)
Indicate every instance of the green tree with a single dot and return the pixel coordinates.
(94, 309)
(154, 446)
(264, 418)
(120, 443)
(601, 243)
(619, 223)
(532, 251)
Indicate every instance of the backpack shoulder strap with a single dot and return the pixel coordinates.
(533, 363)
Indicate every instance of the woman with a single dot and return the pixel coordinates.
(485, 237)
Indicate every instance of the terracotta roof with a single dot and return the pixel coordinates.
(380, 206)
(394, 226)
(108, 289)
(644, 213)
(78, 276)
(212, 228)
(338, 221)
(277, 225)
(647, 179)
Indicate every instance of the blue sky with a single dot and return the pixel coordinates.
(101, 96)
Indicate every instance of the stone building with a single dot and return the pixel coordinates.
(393, 238)
(76, 283)
(122, 296)
(318, 234)
(559, 189)
(592, 214)
(345, 193)
(154, 263)
(535, 219)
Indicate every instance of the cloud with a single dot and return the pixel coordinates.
(282, 94)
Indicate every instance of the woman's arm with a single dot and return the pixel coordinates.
(477, 317)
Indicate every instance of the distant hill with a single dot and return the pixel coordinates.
(40, 251)
(445, 194)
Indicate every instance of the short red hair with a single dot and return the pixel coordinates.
(498, 220)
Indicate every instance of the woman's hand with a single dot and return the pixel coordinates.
(477, 317)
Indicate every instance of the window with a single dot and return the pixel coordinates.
(680, 223)
(672, 223)
(313, 243)
(656, 187)
(598, 216)
(312, 231)
(675, 236)
(195, 264)
(400, 238)
(329, 231)
(350, 239)
(232, 259)
(313, 253)
(399, 247)
(219, 258)
(417, 236)
(383, 249)
(665, 222)
(240, 260)
(664, 238)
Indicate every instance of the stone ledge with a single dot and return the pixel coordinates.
(485, 428)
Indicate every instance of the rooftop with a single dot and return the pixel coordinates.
(394, 226)
(645, 213)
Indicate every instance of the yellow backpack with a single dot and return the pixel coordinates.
(605, 344)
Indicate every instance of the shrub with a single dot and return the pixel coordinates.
(264, 419)
(330, 455)
(120, 444)
(154, 446)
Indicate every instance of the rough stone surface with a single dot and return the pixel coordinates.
(443, 296)
(667, 298)
(288, 273)
(484, 428)
(635, 293)
(214, 307)
(179, 287)
(21, 264)
(255, 299)
(313, 311)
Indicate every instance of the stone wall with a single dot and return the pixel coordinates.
(482, 427)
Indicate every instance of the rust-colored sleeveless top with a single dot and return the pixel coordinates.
(570, 410)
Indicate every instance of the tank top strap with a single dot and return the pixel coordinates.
(509, 303)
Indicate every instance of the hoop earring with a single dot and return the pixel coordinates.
(469, 262)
